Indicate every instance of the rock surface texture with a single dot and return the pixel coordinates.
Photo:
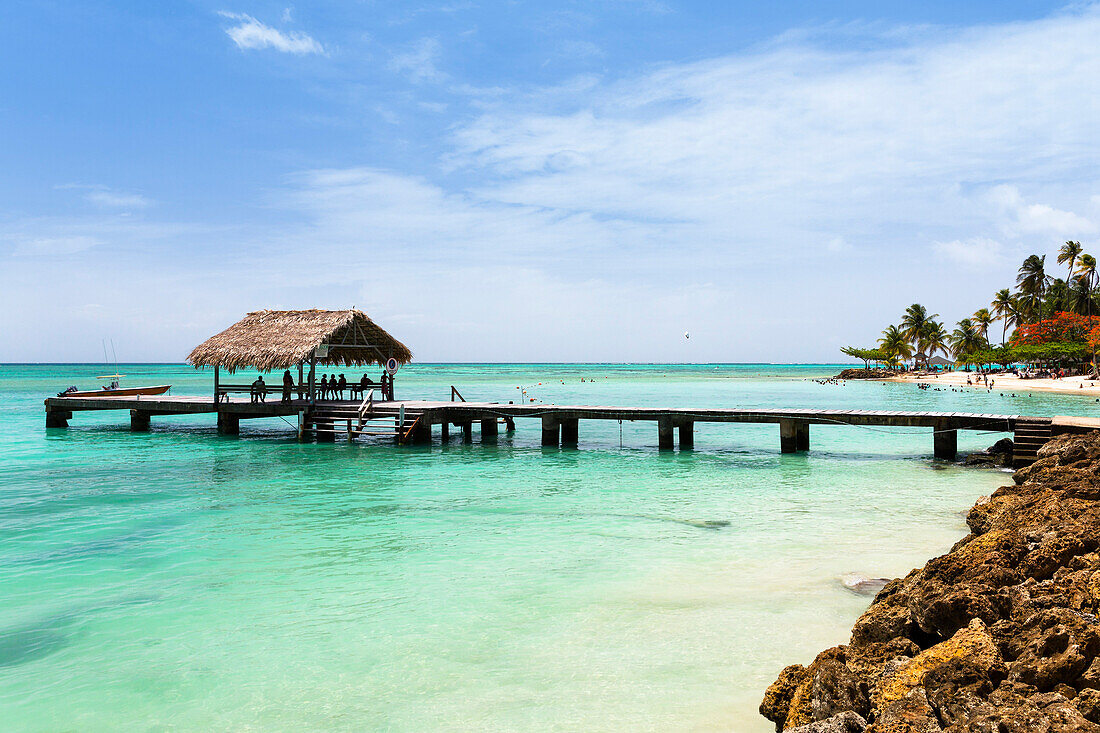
(1000, 635)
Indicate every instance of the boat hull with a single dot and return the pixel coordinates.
(122, 391)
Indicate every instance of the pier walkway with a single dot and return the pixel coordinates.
(412, 421)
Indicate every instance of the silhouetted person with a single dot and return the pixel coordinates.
(259, 390)
(341, 385)
(324, 386)
(288, 385)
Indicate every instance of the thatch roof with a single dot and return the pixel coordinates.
(268, 340)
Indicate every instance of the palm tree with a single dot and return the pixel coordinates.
(1087, 270)
(982, 319)
(965, 340)
(914, 322)
(1004, 307)
(1080, 295)
(1068, 255)
(895, 344)
(935, 338)
(1032, 279)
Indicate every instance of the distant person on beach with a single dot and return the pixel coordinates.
(288, 385)
(259, 390)
(341, 386)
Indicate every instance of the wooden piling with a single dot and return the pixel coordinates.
(570, 429)
(664, 433)
(788, 436)
(139, 421)
(945, 443)
(551, 431)
(467, 432)
(444, 431)
(687, 435)
(228, 423)
(489, 428)
(58, 418)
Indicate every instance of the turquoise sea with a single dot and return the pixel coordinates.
(180, 580)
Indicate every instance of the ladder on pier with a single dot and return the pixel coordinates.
(1031, 434)
(349, 420)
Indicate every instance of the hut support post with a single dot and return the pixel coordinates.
(489, 428)
(687, 435)
(215, 385)
(802, 435)
(945, 443)
(58, 418)
(228, 423)
(312, 377)
(301, 376)
(139, 421)
(467, 432)
(664, 433)
(570, 430)
(444, 431)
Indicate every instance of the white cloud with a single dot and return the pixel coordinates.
(419, 61)
(1026, 218)
(115, 200)
(250, 33)
(978, 252)
(52, 246)
(107, 198)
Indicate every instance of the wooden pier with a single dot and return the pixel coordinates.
(414, 421)
(269, 341)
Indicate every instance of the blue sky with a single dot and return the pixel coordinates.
(535, 181)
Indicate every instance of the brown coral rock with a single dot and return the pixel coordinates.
(999, 635)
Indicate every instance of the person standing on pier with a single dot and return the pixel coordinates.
(288, 385)
(324, 386)
(341, 386)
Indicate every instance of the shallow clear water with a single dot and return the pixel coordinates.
(179, 579)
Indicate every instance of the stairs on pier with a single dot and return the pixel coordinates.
(1032, 433)
(347, 420)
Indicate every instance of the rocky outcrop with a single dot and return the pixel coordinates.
(866, 374)
(999, 455)
(999, 635)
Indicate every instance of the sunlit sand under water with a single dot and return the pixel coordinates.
(182, 580)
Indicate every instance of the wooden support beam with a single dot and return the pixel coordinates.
(551, 431)
(228, 423)
(489, 428)
(444, 431)
(58, 418)
(570, 433)
(945, 443)
(467, 432)
(687, 435)
(664, 433)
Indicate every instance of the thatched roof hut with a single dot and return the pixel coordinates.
(269, 340)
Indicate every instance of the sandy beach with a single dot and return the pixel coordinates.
(1004, 383)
